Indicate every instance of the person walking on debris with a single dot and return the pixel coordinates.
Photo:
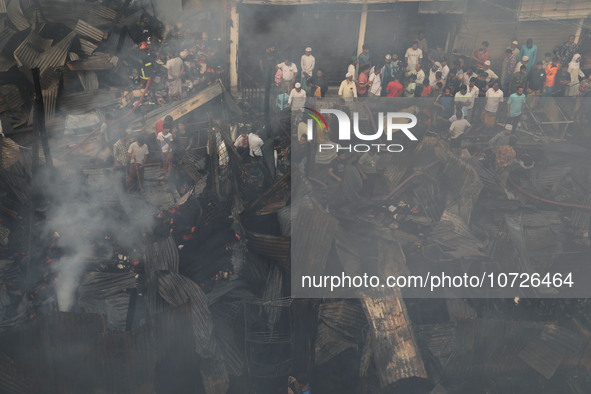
(138, 153)
(165, 138)
(515, 106)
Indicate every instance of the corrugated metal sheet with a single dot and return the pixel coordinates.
(81, 102)
(546, 352)
(50, 100)
(395, 352)
(177, 290)
(272, 246)
(16, 16)
(103, 12)
(5, 35)
(86, 30)
(580, 218)
(313, 234)
(87, 46)
(329, 344)
(13, 379)
(344, 316)
(3, 6)
(551, 9)
(10, 98)
(56, 55)
(161, 255)
(28, 53)
(273, 198)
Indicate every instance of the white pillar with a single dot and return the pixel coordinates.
(362, 27)
(579, 30)
(234, 46)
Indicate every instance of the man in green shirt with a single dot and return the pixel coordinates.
(518, 80)
(515, 107)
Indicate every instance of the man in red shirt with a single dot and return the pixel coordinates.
(481, 55)
(394, 88)
(363, 81)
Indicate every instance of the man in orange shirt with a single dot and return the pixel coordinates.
(551, 71)
(394, 89)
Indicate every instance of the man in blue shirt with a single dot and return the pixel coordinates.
(531, 51)
(515, 107)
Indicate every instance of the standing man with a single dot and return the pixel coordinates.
(436, 55)
(175, 67)
(531, 51)
(514, 48)
(551, 71)
(413, 56)
(490, 74)
(138, 153)
(308, 62)
(352, 69)
(419, 73)
(524, 62)
(364, 57)
(517, 80)
(289, 71)
(480, 55)
(368, 169)
(394, 88)
(348, 90)
(494, 96)
(297, 98)
(567, 50)
(363, 81)
(535, 83)
(562, 83)
(433, 73)
(474, 91)
(463, 98)
(375, 82)
(509, 64)
(515, 106)
(319, 84)
(468, 75)
(422, 41)
(165, 138)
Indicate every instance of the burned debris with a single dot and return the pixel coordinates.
(156, 225)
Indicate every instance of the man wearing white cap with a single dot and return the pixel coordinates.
(524, 62)
(297, 98)
(514, 48)
(348, 89)
(308, 63)
(491, 76)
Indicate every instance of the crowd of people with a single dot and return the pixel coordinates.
(459, 96)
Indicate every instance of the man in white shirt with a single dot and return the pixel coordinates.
(297, 98)
(352, 69)
(524, 61)
(444, 70)
(413, 56)
(375, 81)
(348, 89)
(494, 96)
(468, 75)
(308, 62)
(289, 71)
(138, 153)
(175, 66)
(458, 127)
(255, 143)
(463, 98)
(473, 90)
(418, 71)
(491, 76)
(432, 71)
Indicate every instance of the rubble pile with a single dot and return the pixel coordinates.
(184, 285)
